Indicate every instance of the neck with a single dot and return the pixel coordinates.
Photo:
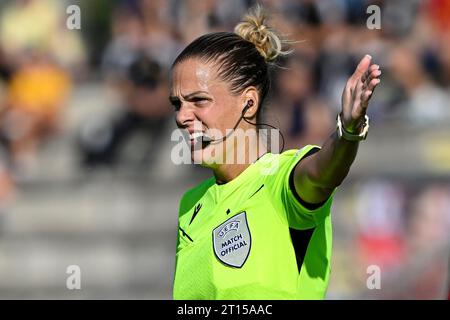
(226, 172)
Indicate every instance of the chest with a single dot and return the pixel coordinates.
(232, 243)
(227, 219)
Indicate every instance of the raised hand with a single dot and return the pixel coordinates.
(357, 93)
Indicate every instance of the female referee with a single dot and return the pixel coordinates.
(246, 233)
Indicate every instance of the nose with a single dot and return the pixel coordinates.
(185, 116)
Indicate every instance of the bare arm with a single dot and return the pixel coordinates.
(316, 176)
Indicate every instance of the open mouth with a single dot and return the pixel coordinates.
(200, 137)
(196, 136)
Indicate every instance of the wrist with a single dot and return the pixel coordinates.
(356, 132)
(354, 127)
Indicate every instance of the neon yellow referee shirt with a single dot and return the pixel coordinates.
(252, 238)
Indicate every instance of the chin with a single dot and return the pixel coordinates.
(203, 159)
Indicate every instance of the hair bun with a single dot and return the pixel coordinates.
(255, 30)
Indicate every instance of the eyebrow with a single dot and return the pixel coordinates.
(188, 96)
(174, 99)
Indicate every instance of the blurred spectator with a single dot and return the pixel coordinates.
(429, 222)
(439, 11)
(425, 104)
(35, 95)
(380, 238)
(144, 27)
(161, 41)
(37, 19)
(127, 40)
(39, 56)
(294, 88)
(146, 109)
(5, 67)
(424, 273)
(42, 29)
(305, 118)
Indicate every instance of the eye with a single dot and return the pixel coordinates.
(200, 100)
(176, 104)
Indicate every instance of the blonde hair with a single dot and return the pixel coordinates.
(243, 58)
(254, 29)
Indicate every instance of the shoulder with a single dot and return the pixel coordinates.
(299, 154)
(191, 197)
(276, 165)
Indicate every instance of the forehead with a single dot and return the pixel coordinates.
(193, 75)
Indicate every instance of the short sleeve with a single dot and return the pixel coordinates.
(295, 212)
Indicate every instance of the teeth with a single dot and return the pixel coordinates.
(196, 135)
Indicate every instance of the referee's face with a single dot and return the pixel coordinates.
(204, 104)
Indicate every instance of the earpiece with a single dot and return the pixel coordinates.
(206, 139)
(249, 105)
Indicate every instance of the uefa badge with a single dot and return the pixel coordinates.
(232, 241)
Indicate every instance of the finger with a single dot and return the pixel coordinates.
(364, 101)
(373, 68)
(357, 91)
(361, 68)
(365, 97)
(372, 84)
(374, 75)
(367, 93)
(357, 97)
(365, 76)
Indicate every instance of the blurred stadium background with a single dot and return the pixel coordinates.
(85, 175)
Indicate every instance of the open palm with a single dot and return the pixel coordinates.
(357, 93)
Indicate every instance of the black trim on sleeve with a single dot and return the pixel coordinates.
(300, 241)
(196, 210)
(307, 205)
(185, 234)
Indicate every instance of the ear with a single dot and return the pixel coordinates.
(250, 93)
